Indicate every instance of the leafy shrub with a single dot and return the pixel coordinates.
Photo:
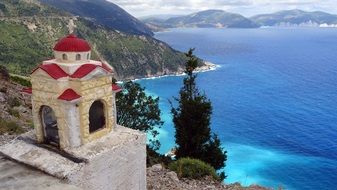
(153, 157)
(21, 80)
(9, 127)
(193, 169)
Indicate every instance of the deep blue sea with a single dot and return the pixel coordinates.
(274, 99)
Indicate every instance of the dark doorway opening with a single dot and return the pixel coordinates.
(96, 116)
(49, 123)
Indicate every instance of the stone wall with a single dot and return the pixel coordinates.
(121, 167)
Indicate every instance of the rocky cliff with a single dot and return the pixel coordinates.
(15, 108)
(161, 178)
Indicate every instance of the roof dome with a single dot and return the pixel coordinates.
(72, 44)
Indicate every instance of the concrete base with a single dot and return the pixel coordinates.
(116, 161)
(15, 176)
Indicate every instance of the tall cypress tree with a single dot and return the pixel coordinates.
(191, 119)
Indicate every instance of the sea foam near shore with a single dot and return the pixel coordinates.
(208, 66)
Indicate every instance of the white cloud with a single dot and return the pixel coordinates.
(245, 7)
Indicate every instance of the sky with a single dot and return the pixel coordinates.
(140, 8)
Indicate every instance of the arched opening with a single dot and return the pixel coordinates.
(88, 56)
(96, 116)
(78, 57)
(49, 123)
(64, 56)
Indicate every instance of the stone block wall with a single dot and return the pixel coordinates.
(122, 167)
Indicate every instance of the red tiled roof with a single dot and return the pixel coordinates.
(85, 69)
(69, 95)
(57, 72)
(27, 90)
(52, 70)
(106, 67)
(116, 88)
(72, 44)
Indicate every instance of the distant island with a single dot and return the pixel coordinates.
(203, 19)
(223, 19)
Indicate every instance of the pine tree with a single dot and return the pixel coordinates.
(191, 119)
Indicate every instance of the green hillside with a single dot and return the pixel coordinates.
(29, 31)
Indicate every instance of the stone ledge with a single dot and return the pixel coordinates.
(14, 176)
(42, 159)
(23, 150)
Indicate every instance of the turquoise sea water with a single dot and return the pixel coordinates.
(274, 100)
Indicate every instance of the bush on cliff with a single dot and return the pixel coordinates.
(21, 80)
(193, 169)
(9, 127)
(153, 157)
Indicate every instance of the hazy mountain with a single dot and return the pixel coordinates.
(295, 17)
(103, 12)
(158, 17)
(29, 30)
(205, 19)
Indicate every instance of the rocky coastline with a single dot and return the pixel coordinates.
(208, 66)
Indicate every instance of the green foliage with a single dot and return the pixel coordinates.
(22, 48)
(193, 169)
(16, 52)
(153, 157)
(9, 127)
(191, 119)
(21, 80)
(13, 102)
(191, 64)
(138, 111)
(17, 8)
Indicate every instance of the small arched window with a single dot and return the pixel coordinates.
(96, 116)
(78, 57)
(88, 56)
(49, 123)
(64, 56)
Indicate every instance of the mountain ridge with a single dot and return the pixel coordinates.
(104, 13)
(222, 19)
(204, 19)
(295, 17)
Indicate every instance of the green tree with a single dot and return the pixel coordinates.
(138, 111)
(191, 119)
